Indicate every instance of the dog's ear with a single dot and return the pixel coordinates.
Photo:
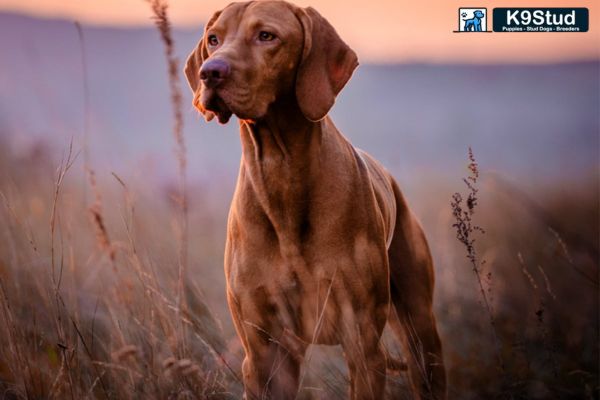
(192, 69)
(326, 65)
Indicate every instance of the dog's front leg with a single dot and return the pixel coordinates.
(271, 366)
(270, 371)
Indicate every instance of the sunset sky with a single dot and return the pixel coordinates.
(379, 30)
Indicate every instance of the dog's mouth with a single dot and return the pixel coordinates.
(214, 103)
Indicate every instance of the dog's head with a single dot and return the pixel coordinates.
(478, 14)
(256, 53)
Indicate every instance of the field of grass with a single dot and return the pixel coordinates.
(89, 290)
(112, 286)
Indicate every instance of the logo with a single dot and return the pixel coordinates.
(472, 19)
(541, 19)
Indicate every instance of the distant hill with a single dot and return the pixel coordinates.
(531, 122)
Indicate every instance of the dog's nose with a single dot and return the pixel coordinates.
(214, 72)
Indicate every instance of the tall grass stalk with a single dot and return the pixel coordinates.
(159, 9)
(465, 232)
(86, 97)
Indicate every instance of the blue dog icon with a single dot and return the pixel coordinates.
(474, 24)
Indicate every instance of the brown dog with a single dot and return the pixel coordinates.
(321, 246)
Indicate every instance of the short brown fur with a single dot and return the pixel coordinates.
(321, 245)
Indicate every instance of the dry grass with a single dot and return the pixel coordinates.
(89, 312)
(87, 309)
(466, 229)
(159, 9)
(106, 324)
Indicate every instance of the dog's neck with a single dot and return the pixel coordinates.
(284, 134)
(281, 155)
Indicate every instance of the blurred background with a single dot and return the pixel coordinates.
(526, 103)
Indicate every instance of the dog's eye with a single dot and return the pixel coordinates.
(212, 40)
(264, 36)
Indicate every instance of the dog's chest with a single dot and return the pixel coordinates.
(297, 293)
